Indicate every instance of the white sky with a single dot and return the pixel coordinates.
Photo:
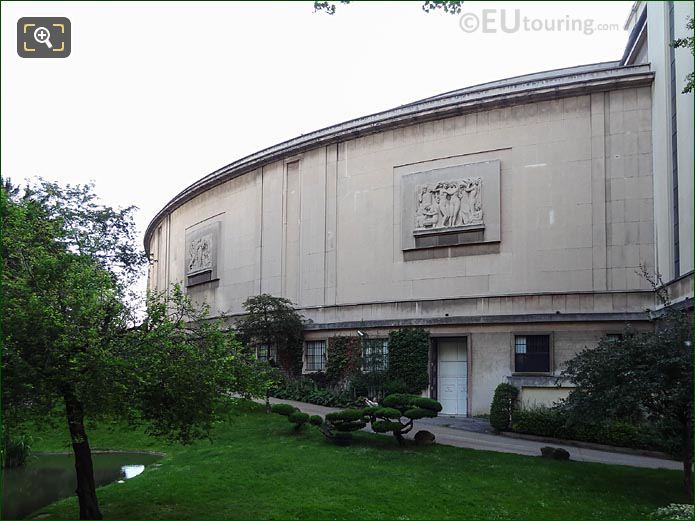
(155, 96)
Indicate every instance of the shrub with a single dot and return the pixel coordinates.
(388, 418)
(503, 404)
(408, 358)
(285, 409)
(15, 450)
(555, 423)
(541, 421)
(339, 425)
(316, 420)
(306, 389)
(299, 419)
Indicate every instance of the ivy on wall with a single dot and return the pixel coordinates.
(408, 357)
(343, 358)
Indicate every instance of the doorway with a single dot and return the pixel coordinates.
(452, 380)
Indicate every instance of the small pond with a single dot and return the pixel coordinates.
(49, 477)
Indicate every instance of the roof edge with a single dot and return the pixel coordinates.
(534, 87)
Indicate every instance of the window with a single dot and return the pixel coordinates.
(375, 355)
(266, 353)
(315, 355)
(614, 337)
(532, 353)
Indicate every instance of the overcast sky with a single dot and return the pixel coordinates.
(155, 96)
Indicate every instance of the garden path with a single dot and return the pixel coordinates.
(481, 441)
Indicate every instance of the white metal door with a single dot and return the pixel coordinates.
(453, 376)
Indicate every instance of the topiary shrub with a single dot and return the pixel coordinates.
(284, 409)
(408, 358)
(503, 405)
(395, 407)
(299, 419)
(294, 415)
(339, 426)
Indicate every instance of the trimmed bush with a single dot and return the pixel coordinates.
(541, 421)
(299, 418)
(502, 408)
(386, 426)
(417, 413)
(427, 403)
(385, 412)
(285, 409)
(395, 407)
(316, 420)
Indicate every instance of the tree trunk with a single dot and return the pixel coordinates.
(688, 461)
(86, 489)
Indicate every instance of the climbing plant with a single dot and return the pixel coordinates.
(408, 358)
(343, 358)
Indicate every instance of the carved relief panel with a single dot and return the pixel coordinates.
(202, 245)
(451, 206)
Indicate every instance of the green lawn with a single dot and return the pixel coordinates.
(256, 468)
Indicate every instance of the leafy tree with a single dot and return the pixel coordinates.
(389, 416)
(689, 43)
(642, 377)
(70, 338)
(273, 321)
(448, 6)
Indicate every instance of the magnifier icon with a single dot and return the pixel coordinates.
(43, 35)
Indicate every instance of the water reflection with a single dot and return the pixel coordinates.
(49, 477)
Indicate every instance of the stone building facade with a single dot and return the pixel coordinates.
(509, 219)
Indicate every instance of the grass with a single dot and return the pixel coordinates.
(257, 468)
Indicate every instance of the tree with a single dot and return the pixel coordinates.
(689, 43)
(273, 322)
(642, 377)
(395, 407)
(70, 338)
(429, 6)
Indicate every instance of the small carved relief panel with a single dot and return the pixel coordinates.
(449, 204)
(200, 258)
(200, 254)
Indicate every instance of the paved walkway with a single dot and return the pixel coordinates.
(482, 441)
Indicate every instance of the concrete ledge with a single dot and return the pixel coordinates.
(484, 319)
(589, 445)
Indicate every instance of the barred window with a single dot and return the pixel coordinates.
(315, 355)
(532, 353)
(375, 354)
(265, 353)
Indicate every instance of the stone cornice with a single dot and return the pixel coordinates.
(514, 91)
